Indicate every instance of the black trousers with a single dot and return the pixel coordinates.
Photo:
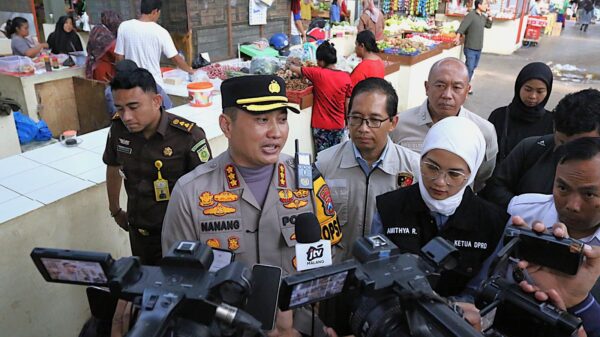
(147, 247)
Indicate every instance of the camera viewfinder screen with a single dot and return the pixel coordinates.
(74, 271)
(319, 289)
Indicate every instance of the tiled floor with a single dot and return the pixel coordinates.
(39, 177)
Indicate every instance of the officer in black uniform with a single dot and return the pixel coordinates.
(149, 148)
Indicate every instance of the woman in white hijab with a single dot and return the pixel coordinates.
(443, 203)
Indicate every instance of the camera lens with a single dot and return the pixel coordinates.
(379, 316)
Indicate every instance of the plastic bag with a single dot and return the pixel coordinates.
(43, 132)
(28, 130)
(264, 66)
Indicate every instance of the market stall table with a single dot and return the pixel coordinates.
(23, 89)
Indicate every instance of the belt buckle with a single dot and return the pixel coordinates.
(143, 232)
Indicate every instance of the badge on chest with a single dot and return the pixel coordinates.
(161, 186)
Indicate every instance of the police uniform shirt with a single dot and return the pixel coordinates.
(353, 190)
(414, 123)
(540, 207)
(475, 229)
(213, 205)
(179, 144)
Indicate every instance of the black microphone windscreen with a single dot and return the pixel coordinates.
(308, 229)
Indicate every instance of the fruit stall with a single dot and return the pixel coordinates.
(508, 27)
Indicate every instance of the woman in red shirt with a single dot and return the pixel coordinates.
(371, 65)
(331, 89)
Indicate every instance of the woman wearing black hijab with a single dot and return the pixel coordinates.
(64, 39)
(526, 115)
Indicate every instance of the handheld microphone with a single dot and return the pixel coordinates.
(311, 251)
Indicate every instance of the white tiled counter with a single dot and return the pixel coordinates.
(55, 196)
(36, 178)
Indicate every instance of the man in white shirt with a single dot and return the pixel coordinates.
(144, 41)
(576, 196)
(447, 88)
(575, 202)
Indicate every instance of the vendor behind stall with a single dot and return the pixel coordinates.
(100, 64)
(17, 30)
(371, 19)
(371, 65)
(334, 12)
(332, 90)
(64, 39)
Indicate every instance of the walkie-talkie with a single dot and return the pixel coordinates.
(303, 169)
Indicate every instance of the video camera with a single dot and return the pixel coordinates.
(181, 291)
(385, 293)
(506, 309)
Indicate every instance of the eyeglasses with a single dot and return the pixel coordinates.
(431, 171)
(371, 122)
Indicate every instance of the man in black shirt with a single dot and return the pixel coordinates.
(530, 166)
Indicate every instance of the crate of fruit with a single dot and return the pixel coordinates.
(295, 96)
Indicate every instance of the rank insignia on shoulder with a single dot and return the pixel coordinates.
(182, 124)
(167, 151)
(219, 210)
(405, 179)
(232, 179)
(281, 180)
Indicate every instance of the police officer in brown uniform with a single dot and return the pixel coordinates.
(149, 148)
(246, 199)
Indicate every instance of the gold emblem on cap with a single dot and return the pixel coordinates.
(274, 87)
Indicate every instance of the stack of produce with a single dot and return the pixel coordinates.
(402, 46)
(216, 70)
(293, 82)
(396, 25)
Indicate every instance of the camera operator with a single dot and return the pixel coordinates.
(566, 291)
(575, 205)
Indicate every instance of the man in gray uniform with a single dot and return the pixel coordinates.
(446, 87)
(246, 200)
(369, 164)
